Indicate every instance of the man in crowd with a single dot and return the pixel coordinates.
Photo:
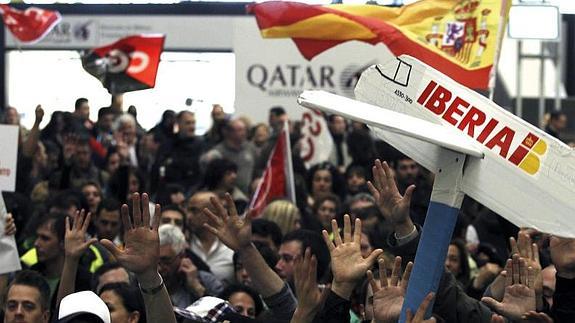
(204, 244)
(237, 149)
(184, 281)
(179, 162)
(28, 299)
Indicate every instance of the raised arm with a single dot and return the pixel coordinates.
(348, 267)
(236, 233)
(75, 244)
(30, 145)
(141, 254)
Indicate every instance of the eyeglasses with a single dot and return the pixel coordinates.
(168, 261)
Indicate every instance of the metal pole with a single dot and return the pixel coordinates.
(558, 69)
(518, 98)
(541, 111)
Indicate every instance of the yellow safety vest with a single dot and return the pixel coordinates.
(30, 258)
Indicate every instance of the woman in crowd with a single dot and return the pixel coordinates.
(243, 299)
(323, 178)
(124, 302)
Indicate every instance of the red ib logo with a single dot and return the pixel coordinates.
(526, 156)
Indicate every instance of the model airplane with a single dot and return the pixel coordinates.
(472, 145)
(514, 168)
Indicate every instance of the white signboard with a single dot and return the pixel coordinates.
(9, 258)
(8, 157)
(271, 72)
(182, 32)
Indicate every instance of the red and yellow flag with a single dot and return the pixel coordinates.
(458, 37)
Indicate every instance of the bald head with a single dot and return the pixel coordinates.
(196, 204)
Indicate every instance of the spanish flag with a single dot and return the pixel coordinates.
(458, 37)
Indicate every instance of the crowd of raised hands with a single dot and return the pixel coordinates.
(515, 294)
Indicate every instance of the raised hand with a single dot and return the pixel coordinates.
(9, 226)
(393, 206)
(347, 264)
(388, 297)
(141, 240)
(75, 243)
(420, 314)
(563, 256)
(519, 297)
(39, 114)
(309, 297)
(233, 230)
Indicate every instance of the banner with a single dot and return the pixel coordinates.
(130, 64)
(8, 158)
(458, 37)
(278, 179)
(276, 73)
(9, 258)
(316, 142)
(30, 25)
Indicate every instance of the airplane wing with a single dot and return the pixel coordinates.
(389, 120)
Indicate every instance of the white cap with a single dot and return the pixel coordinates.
(85, 302)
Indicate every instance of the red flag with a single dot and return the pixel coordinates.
(30, 25)
(130, 64)
(277, 181)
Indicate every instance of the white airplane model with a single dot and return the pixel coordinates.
(526, 175)
(472, 145)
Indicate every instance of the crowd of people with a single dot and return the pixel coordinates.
(116, 223)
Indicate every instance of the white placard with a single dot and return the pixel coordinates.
(8, 157)
(9, 258)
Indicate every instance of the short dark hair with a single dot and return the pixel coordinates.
(130, 296)
(79, 103)
(555, 115)
(327, 197)
(267, 228)
(68, 198)
(216, 170)
(314, 241)
(355, 169)
(182, 113)
(58, 226)
(105, 111)
(33, 279)
(277, 111)
(106, 267)
(237, 288)
(108, 204)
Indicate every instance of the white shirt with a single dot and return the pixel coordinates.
(219, 258)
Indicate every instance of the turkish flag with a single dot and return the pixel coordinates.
(30, 25)
(130, 64)
(278, 179)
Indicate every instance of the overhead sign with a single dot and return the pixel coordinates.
(182, 32)
(271, 72)
(526, 175)
(8, 157)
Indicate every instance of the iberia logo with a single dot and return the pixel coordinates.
(486, 130)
